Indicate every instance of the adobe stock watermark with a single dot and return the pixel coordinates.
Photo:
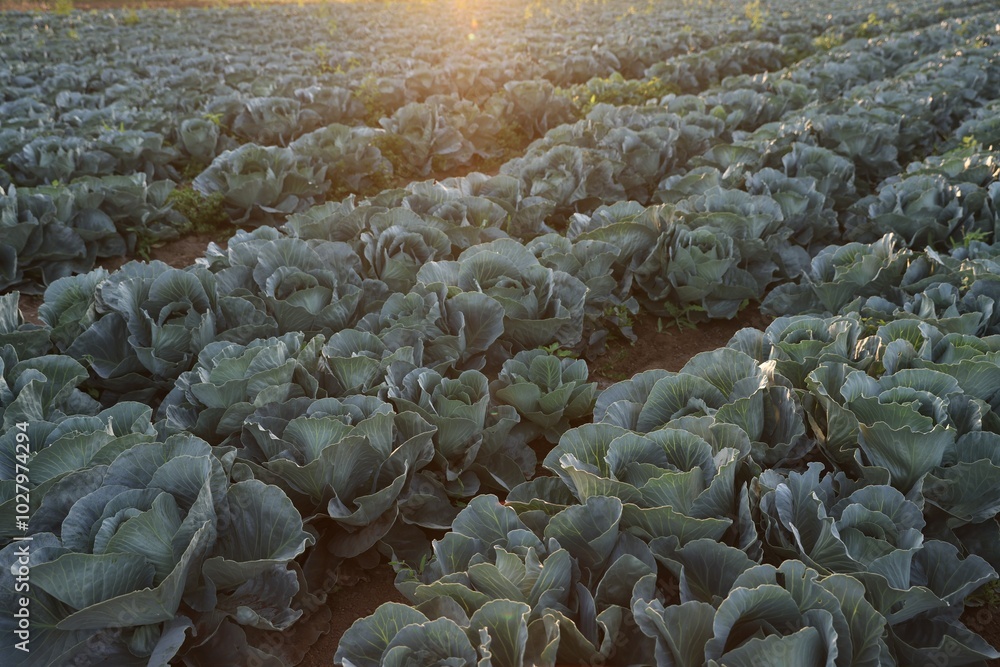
(21, 568)
(273, 643)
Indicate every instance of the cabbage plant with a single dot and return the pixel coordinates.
(795, 345)
(572, 575)
(924, 210)
(472, 442)
(346, 459)
(834, 524)
(230, 381)
(903, 423)
(541, 305)
(696, 267)
(839, 274)
(609, 305)
(307, 286)
(725, 384)
(261, 185)
(678, 483)
(768, 615)
(154, 540)
(548, 392)
(63, 444)
(27, 340)
(453, 330)
(498, 633)
(152, 322)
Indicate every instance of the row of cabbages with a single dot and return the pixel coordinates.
(644, 546)
(947, 204)
(666, 475)
(257, 184)
(846, 137)
(50, 232)
(420, 133)
(83, 86)
(374, 433)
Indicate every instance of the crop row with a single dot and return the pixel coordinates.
(209, 444)
(260, 146)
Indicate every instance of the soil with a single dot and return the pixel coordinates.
(985, 620)
(665, 345)
(29, 304)
(178, 254)
(350, 604)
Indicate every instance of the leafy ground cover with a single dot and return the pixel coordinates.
(702, 369)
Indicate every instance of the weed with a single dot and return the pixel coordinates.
(555, 350)
(681, 316)
(206, 213)
(192, 169)
(970, 142)
(871, 27)
(609, 368)
(369, 95)
(988, 594)
(618, 91)
(870, 325)
(828, 40)
(63, 7)
(511, 141)
(754, 11)
(322, 52)
(143, 246)
(393, 148)
(131, 17)
(619, 314)
(419, 569)
(971, 236)
(439, 163)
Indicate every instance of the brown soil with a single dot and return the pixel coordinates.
(985, 620)
(178, 254)
(350, 604)
(664, 345)
(29, 303)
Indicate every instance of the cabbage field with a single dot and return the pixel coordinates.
(439, 231)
